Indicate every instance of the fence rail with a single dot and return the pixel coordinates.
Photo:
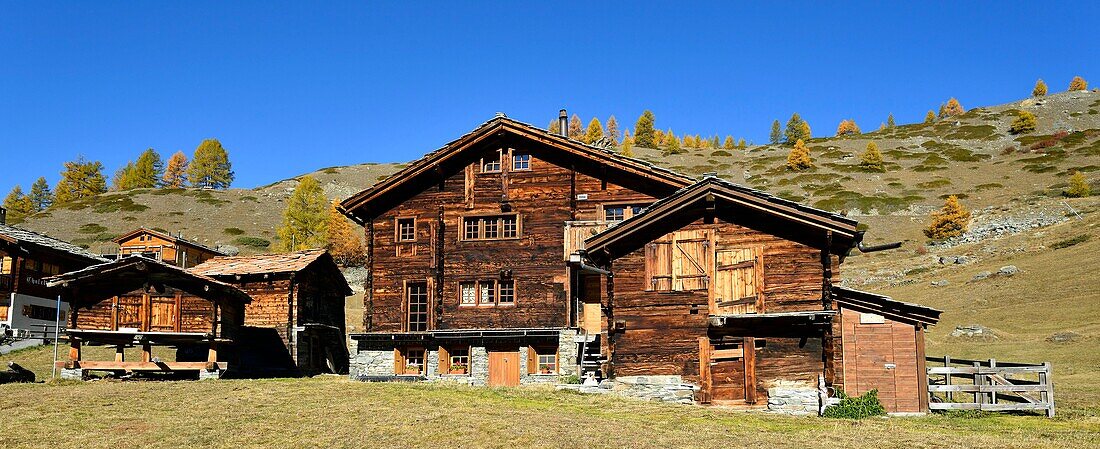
(991, 385)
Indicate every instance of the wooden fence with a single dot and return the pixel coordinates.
(989, 385)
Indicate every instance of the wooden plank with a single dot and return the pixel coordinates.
(145, 366)
(970, 370)
(984, 388)
(749, 347)
(985, 407)
(727, 354)
(704, 370)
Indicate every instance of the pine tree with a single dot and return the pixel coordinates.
(613, 128)
(715, 142)
(18, 205)
(672, 143)
(1023, 123)
(80, 179)
(729, 144)
(41, 196)
(948, 222)
(628, 146)
(125, 178)
(576, 130)
(305, 220)
(776, 135)
(343, 242)
(148, 170)
(872, 158)
(175, 175)
(644, 134)
(797, 129)
(741, 144)
(952, 108)
(847, 128)
(594, 132)
(806, 130)
(1078, 83)
(210, 166)
(1078, 186)
(929, 117)
(554, 128)
(890, 121)
(1040, 89)
(799, 157)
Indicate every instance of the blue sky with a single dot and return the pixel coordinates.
(289, 88)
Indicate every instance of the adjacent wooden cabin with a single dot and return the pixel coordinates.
(299, 295)
(162, 246)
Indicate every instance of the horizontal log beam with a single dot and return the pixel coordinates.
(985, 388)
(143, 366)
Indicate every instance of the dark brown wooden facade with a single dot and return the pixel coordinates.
(27, 258)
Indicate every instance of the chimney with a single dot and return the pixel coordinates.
(563, 123)
(3, 216)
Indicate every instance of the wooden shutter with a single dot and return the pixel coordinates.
(738, 281)
(444, 360)
(532, 360)
(691, 259)
(658, 265)
(398, 362)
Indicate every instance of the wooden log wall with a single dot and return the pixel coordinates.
(543, 197)
(158, 313)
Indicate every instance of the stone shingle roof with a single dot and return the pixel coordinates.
(258, 264)
(19, 235)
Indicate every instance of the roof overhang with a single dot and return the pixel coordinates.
(884, 305)
(99, 282)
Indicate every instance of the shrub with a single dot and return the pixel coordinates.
(1040, 89)
(1024, 123)
(233, 231)
(847, 128)
(92, 228)
(1070, 242)
(857, 407)
(1050, 141)
(1078, 83)
(570, 379)
(872, 158)
(950, 221)
(254, 242)
(1078, 186)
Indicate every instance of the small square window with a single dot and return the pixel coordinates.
(614, 213)
(507, 292)
(548, 363)
(468, 295)
(490, 165)
(460, 361)
(414, 361)
(487, 293)
(511, 228)
(521, 161)
(406, 229)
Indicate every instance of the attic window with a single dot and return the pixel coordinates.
(521, 161)
(490, 227)
(491, 165)
(406, 229)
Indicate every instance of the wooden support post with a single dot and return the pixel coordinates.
(993, 394)
(212, 353)
(947, 380)
(146, 352)
(704, 370)
(120, 353)
(1046, 395)
(979, 397)
(74, 350)
(749, 348)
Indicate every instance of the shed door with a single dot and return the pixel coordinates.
(691, 259)
(737, 281)
(503, 368)
(164, 313)
(129, 312)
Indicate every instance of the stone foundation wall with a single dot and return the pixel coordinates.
(793, 398)
(653, 388)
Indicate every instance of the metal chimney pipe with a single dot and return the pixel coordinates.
(563, 123)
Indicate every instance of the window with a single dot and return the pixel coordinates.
(542, 360)
(487, 293)
(614, 213)
(490, 228)
(491, 164)
(521, 161)
(406, 229)
(548, 363)
(460, 361)
(6, 265)
(409, 361)
(416, 294)
(680, 261)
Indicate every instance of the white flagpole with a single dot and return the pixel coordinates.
(56, 334)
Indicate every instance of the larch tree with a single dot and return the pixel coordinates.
(343, 242)
(210, 166)
(777, 133)
(799, 157)
(890, 121)
(554, 128)
(1078, 186)
(576, 130)
(950, 221)
(741, 145)
(148, 170)
(18, 205)
(80, 179)
(952, 108)
(305, 219)
(872, 158)
(1040, 89)
(125, 178)
(613, 129)
(729, 144)
(1078, 83)
(644, 133)
(41, 196)
(627, 145)
(175, 174)
(594, 131)
(1023, 123)
(689, 140)
(929, 117)
(795, 130)
(847, 127)
(672, 143)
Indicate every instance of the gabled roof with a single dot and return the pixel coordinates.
(165, 236)
(19, 236)
(718, 198)
(501, 132)
(886, 306)
(98, 282)
(232, 266)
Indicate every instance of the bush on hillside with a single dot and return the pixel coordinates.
(1040, 89)
(872, 158)
(1078, 186)
(254, 242)
(856, 407)
(799, 157)
(1024, 123)
(950, 221)
(1078, 83)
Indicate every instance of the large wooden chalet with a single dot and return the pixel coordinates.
(514, 255)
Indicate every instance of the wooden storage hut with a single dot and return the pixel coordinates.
(199, 316)
(297, 301)
(165, 247)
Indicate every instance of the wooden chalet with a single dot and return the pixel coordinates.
(300, 297)
(731, 290)
(162, 246)
(202, 325)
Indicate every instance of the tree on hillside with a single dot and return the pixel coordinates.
(148, 170)
(672, 143)
(18, 205)
(80, 179)
(627, 145)
(1040, 89)
(847, 128)
(343, 242)
(175, 175)
(305, 220)
(689, 140)
(729, 144)
(797, 129)
(644, 134)
(124, 178)
(890, 121)
(210, 166)
(776, 135)
(575, 130)
(1078, 186)
(952, 108)
(799, 157)
(613, 128)
(41, 196)
(1023, 123)
(929, 117)
(741, 144)
(594, 132)
(1078, 83)
(872, 158)
(554, 128)
(950, 221)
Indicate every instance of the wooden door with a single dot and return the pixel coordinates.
(129, 312)
(730, 370)
(691, 259)
(164, 313)
(738, 282)
(503, 368)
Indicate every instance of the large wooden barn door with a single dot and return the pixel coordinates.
(503, 368)
(164, 313)
(129, 312)
(728, 370)
(738, 281)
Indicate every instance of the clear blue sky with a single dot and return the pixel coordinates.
(289, 88)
